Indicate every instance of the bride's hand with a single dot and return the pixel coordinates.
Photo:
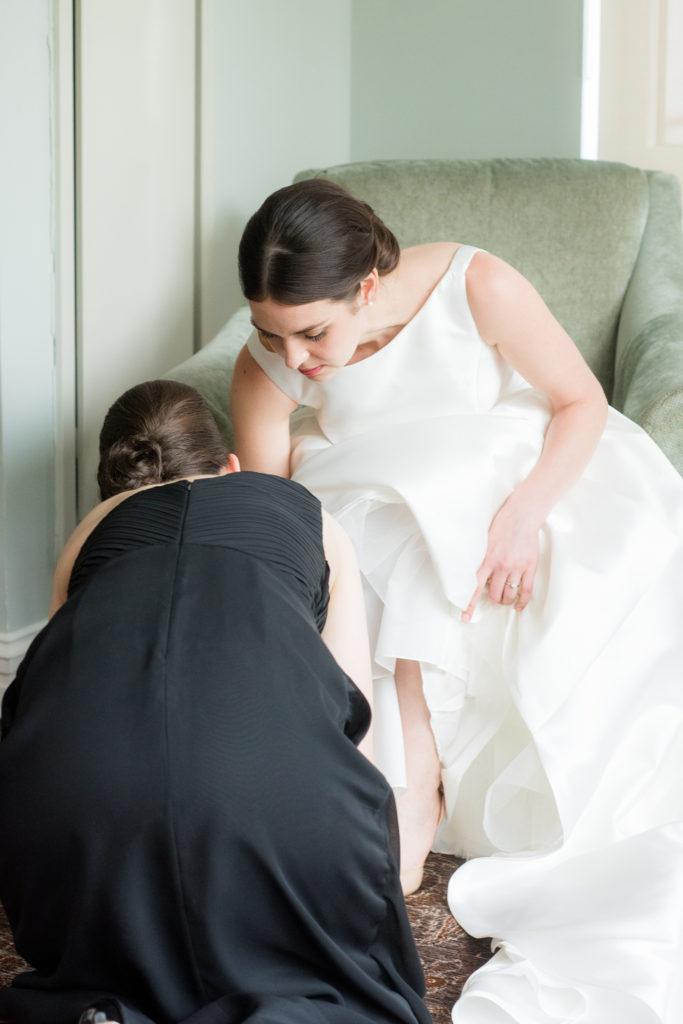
(509, 566)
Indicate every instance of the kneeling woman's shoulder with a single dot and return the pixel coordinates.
(74, 544)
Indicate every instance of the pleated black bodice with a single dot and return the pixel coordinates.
(268, 518)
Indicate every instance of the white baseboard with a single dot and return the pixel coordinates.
(13, 647)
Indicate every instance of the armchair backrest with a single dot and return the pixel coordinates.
(573, 227)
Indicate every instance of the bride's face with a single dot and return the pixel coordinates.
(317, 338)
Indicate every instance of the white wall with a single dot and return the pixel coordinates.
(641, 84)
(27, 400)
(461, 79)
(310, 84)
(135, 203)
(276, 99)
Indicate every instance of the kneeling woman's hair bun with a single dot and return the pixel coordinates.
(133, 462)
(158, 431)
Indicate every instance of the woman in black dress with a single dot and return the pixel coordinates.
(189, 832)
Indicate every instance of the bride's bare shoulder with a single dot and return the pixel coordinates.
(420, 269)
(431, 259)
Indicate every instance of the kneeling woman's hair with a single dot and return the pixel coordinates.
(157, 431)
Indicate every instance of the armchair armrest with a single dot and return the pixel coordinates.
(653, 365)
(210, 369)
(648, 382)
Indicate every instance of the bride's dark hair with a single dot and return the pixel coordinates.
(313, 240)
(157, 431)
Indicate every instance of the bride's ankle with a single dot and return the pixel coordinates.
(419, 816)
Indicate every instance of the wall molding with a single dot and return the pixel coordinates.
(13, 647)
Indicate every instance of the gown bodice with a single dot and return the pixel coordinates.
(398, 383)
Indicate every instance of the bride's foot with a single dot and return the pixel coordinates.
(419, 816)
(93, 1015)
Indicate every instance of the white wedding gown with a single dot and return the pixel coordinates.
(560, 729)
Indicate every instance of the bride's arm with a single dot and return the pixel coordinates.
(511, 315)
(345, 633)
(260, 417)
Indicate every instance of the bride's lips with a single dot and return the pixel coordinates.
(312, 372)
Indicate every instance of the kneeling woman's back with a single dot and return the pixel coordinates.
(205, 841)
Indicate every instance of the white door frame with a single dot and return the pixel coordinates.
(641, 84)
(65, 273)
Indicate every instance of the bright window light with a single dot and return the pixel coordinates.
(590, 93)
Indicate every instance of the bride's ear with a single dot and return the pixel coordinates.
(368, 288)
(231, 466)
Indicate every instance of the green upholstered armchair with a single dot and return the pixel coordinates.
(602, 243)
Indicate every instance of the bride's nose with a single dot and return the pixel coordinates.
(294, 353)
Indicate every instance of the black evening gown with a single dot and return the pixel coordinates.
(188, 829)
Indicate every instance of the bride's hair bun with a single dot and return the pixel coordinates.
(387, 251)
(310, 241)
(157, 431)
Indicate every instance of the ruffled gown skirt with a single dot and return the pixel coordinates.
(560, 729)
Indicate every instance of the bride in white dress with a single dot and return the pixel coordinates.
(522, 550)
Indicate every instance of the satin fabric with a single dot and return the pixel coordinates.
(560, 729)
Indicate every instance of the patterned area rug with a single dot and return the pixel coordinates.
(448, 954)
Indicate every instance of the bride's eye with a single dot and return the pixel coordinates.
(315, 337)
